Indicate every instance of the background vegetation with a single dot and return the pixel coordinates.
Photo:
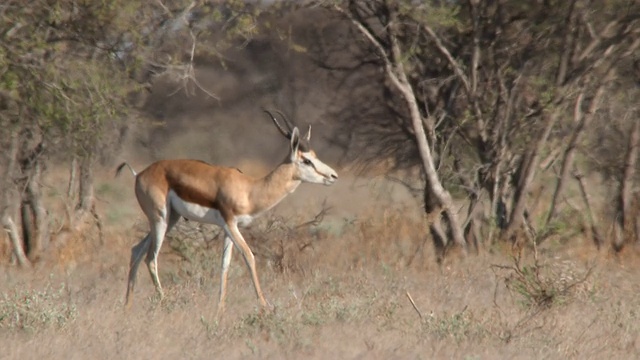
(488, 195)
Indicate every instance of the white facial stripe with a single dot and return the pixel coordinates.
(318, 166)
(316, 171)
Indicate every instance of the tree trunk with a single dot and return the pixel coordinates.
(16, 242)
(472, 234)
(8, 204)
(433, 213)
(472, 223)
(34, 222)
(85, 198)
(73, 179)
(625, 217)
(85, 201)
(637, 221)
(27, 226)
(439, 237)
(582, 122)
(569, 154)
(85, 209)
(595, 233)
(72, 192)
(527, 174)
(41, 236)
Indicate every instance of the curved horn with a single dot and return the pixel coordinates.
(286, 121)
(284, 132)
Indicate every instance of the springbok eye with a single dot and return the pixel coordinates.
(306, 161)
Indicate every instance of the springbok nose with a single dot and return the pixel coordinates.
(334, 176)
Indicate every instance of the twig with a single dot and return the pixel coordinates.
(413, 303)
(318, 218)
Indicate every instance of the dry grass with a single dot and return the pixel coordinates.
(339, 288)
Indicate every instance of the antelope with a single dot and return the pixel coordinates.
(170, 189)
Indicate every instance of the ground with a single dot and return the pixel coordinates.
(342, 288)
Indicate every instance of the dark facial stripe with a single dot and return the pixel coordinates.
(314, 167)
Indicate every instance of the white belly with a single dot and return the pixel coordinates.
(194, 211)
(203, 214)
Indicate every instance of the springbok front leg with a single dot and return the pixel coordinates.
(231, 228)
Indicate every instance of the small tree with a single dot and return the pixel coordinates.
(71, 75)
(379, 24)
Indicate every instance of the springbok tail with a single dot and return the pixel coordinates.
(127, 165)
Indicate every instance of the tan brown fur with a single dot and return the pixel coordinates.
(198, 182)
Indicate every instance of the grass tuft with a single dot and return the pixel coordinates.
(31, 310)
(458, 326)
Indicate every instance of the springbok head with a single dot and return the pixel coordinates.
(308, 167)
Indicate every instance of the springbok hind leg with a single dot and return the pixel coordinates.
(137, 253)
(226, 260)
(158, 231)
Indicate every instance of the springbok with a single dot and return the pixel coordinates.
(170, 189)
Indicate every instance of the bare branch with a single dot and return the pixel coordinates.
(457, 68)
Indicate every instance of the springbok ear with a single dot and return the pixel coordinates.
(295, 142)
(308, 136)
